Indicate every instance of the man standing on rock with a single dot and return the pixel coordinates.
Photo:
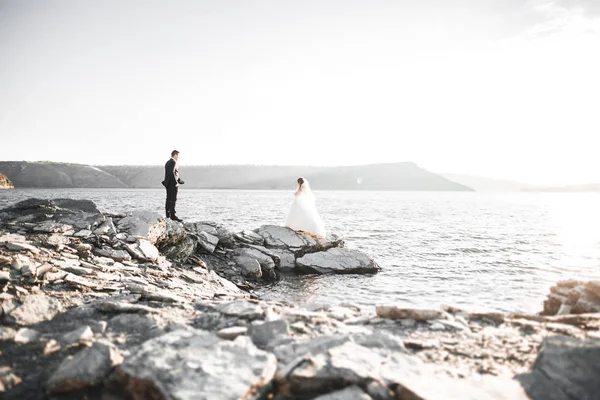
(172, 182)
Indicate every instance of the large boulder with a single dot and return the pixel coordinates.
(251, 256)
(336, 261)
(53, 214)
(216, 229)
(566, 368)
(144, 225)
(195, 364)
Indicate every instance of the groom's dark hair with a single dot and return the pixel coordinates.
(174, 152)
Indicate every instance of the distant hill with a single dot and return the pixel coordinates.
(592, 187)
(481, 184)
(399, 176)
(57, 175)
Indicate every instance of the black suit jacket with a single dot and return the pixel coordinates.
(171, 174)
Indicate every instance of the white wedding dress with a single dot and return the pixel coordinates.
(303, 215)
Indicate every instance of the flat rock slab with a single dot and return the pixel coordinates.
(418, 314)
(36, 308)
(87, 368)
(242, 309)
(232, 333)
(144, 224)
(284, 238)
(194, 365)
(336, 261)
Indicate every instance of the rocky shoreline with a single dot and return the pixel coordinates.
(5, 183)
(131, 306)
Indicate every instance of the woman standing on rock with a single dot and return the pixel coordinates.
(303, 215)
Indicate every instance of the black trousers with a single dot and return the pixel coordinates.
(171, 200)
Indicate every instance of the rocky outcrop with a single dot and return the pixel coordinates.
(5, 183)
(76, 324)
(573, 297)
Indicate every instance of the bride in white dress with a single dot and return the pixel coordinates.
(303, 215)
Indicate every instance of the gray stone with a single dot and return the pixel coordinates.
(250, 237)
(336, 261)
(242, 309)
(189, 365)
(106, 228)
(250, 267)
(144, 224)
(7, 333)
(207, 242)
(79, 335)
(285, 238)
(350, 393)
(566, 368)
(16, 246)
(267, 265)
(84, 233)
(143, 250)
(4, 276)
(180, 251)
(115, 254)
(36, 308)
(57, 241)
(19, 261)
(418, 314)
(87, 368)
(264, 333)
(26, 335)
(232, 333)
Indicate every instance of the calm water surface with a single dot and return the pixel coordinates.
(493, 251)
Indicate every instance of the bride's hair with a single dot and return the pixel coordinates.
(300, 182)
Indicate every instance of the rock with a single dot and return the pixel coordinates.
(26, 335)
(285, 238)
(87, 368)
(29, 270)
(107, 228)
(338, 261)
(207, 242)
(8, 379)
(250, 267)
(350, 393)
(117, 255)
(566, 368)
(7, 333)
(144, 225)
(496, 317)
(250, 237)
(122, 307)
(242, 309)
(84, 233)
(143, 250)
(4, 276)
(52, 227)
(266, 263)
(180, 251)
(232, 333)
(16, 246)
(36, 308)
(224, 235)
(195, 364)
(19, 261)
(264, 333)
(396, 312)
(79, 335)
(57, 241)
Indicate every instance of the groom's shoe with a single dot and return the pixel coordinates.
(175, 218)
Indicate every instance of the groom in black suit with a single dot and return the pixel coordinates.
(172, 182)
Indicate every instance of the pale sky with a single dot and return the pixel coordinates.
(503, 89)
